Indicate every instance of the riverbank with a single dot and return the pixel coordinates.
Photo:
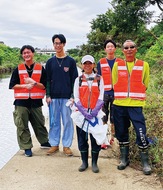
(59, 172)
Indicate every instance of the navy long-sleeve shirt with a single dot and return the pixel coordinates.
(61, 75)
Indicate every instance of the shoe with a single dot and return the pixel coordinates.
(28, 153)
(67, 151)
(45, 145)
(52, 150)
(104, 146)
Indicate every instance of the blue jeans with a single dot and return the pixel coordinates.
(58, 110)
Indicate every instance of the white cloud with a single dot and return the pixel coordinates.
(35, 21)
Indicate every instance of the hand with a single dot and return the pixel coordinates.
(27, 86)
(48, 100)
(88, 116)
(84, 111)
(29, 80)
(97, 108)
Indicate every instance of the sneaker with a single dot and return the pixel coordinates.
(45, 145)
(28, 153)
(67, 151)
(52, 150)
(104, 146)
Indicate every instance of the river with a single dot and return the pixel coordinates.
(8, 139)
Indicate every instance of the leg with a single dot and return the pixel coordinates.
(145, 161)
(105, 108)
(124, 160)
(122, 125)
(95, 153)
(83, 147)
(38, 123)
(68, 127)
(55, 122)
(55, 126)
(138, 121)
(21, 118)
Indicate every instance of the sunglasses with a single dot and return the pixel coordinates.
(131, 47)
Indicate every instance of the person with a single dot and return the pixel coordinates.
(88, 99)
(61, 72)
(104, 68)
(130, 82)
(28, 81)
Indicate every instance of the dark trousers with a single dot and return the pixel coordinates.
(108, 108)
(83, 145)
(122, 117)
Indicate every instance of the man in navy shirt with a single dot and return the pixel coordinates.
(61, 74)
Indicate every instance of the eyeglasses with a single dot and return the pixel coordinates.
(57, 43)
(131, 47)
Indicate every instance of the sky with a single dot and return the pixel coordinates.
(34, 22)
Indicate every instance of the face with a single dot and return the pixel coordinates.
(28, 55)
(88, 67)
(58, 46)
(129, 50)
(110, 48)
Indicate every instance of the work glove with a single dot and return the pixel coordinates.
(84, 111)
(97, 108)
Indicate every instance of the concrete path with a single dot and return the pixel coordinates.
(59, 172)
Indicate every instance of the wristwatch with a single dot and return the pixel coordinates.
(35, 83)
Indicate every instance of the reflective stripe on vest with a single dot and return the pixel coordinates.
(89, 96)
(34, 93)
(130, 85)
(106, 74)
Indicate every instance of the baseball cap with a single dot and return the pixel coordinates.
(88, 58)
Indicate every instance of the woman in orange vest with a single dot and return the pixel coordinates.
(88, 95)
(28, 81)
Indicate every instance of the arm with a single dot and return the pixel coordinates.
(146, 74)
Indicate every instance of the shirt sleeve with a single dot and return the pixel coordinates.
(98, 68)
(101, 87)
(76, 90)
(14, 79)
(146, 74)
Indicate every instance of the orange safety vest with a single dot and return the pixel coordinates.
(130, 85)
(106, 74)
(89, 95)
(34, 93)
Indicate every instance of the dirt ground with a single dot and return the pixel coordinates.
(59, 172)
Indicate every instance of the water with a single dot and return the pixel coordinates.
(8, 138)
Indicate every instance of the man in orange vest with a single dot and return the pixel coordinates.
(130, 80)
(28, 81)
(104, 68)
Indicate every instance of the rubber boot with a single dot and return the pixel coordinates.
(124, 160)
(95, 168)
(145, 162)
(84, 166)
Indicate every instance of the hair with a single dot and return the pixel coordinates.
(27, 47)
(60, 36)
(129, 41)
(111, 41)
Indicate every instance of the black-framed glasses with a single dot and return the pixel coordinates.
(127, 47)
(57, 43)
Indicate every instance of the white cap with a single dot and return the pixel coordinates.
(87, 58)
